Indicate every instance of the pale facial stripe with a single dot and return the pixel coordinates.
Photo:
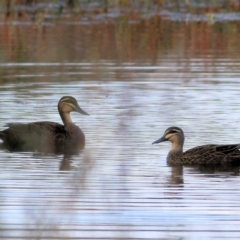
(171, 132)
(72, 105)
(69, 101)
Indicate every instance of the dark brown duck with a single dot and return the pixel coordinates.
(47, 136)
(211, 154)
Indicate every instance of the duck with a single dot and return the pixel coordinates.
(47, 136)
(211, 154)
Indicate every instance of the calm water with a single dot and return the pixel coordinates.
(120, 186)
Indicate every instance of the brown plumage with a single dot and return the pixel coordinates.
(47, 136)
(211, 154)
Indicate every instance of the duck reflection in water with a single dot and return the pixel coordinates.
(48, 137)
(211, 171)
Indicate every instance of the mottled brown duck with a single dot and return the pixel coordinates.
(47, 136)
(211, 154)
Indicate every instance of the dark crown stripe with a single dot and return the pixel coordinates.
(173, 130)
(69, 100)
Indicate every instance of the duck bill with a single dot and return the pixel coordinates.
(162, 139)
(81, 111)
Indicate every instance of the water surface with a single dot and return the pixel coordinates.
(120, 186)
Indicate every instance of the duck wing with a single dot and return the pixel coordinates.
(212, 154)
(35, 127)
(232, 153)
(229, 149)
(35, 132)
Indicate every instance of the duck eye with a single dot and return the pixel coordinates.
(172, 131)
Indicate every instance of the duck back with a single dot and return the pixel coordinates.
(43, 136)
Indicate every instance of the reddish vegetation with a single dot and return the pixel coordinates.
(129, 37)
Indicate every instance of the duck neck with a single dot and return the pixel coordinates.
(174, 156)
(177, 147)
(65, 116)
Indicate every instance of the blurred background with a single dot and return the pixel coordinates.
(137, 67)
